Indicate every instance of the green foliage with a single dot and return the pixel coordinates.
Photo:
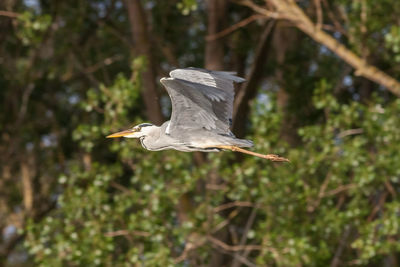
(301, 220)
(186, 6)
(31, 28)
(393, 41)
(69, 78)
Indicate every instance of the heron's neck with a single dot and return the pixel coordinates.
(150, 140)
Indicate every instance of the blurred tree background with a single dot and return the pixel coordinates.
(322, 90)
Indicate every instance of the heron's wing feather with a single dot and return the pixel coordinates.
(220, 79)
(207, 98)
(190, 109)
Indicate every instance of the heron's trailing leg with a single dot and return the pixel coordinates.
(271, 157)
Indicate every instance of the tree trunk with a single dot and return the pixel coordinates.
(143, 46)
(214, 56)
(214, 60)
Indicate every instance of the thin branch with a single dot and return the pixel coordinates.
(233, 204)
(189, 247)
(390, 188)
(216, 187)
(248, 226)
(121, 187)
(318, 8)
(234, 27)
(350, 132)
(261, 10)
(227, 247)
(27, 187)
(105, 62)
(340, 189)
(9, 14)
(167, 50)
(244, 260)
(114, 30)
(225, 222)
(378, 206)
(337, 26)
(321, 193)
(24, 102)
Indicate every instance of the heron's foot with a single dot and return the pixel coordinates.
(274, 157)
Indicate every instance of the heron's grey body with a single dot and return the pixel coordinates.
(202, 105)
(205, 140)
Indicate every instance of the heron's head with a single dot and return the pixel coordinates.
(137, 131)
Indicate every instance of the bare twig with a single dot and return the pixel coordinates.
(378, 206)
(233, 204)
(27, 186)
(261, 10)
(312, 206)
(337, 26)
(114, 30)
(234, 27)
(121, 187)
(199, 241)
(227, 247)
(340, 189)
(248, 226)
(103, 63)
(225, 222)
(24, 102)
(350, 132)
(216, 187)
(244, 260)
(390, 188)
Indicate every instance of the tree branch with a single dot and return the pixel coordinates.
(290, 11)
(9, 14)
(227, 247)
(233, 204)
(233, 28)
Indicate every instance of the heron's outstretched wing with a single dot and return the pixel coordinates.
(200, 99)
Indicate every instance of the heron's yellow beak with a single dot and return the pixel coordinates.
(120, 134)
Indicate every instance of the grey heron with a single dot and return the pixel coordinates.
(202, 105)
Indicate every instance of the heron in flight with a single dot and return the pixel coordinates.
(202, 105)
